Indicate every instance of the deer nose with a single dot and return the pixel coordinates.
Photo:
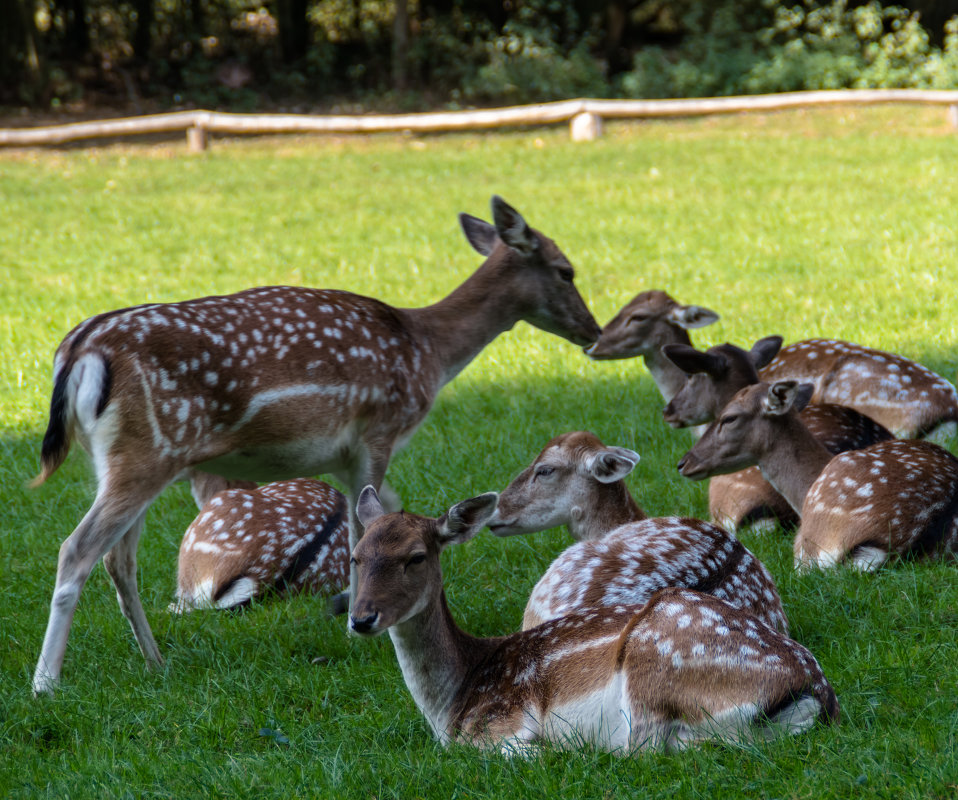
(363, 625)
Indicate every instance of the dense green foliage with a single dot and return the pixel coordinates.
(804, 224)
(417, 54)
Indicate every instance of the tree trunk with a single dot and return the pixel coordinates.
(400, 54)
(20, 72)
(76, 32)
(293, 29)
(143, 34)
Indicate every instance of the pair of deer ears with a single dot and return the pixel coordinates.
(459, 524)
(714, 362)
(611, 464)
(508, 226)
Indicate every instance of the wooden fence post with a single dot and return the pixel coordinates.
(197, 139)
(585, 127)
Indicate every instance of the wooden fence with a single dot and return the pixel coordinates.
(584, 117)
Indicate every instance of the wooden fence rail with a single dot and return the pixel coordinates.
(585, 117)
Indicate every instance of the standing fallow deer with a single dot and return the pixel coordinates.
(714, 377)
(284, 537)
(904, 396)
(860, 507)
(622, 557)
(271, 383)
(682, 668)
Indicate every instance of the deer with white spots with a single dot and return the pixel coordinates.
(682, 668)
(284, 537)
(897, 497)
(904, 396)
(622, 557)
(271, 383)
(714, 377)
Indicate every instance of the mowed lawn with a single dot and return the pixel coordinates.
(841, 223)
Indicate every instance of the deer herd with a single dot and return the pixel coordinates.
(645, 633)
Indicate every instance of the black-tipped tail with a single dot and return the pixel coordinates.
(56, 441)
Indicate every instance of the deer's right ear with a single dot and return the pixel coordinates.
(785, 396)
(692, 361)
(368, 507)
(763, 352)
(512, 228)
(479, 233)
(464, 520)
(692, 316)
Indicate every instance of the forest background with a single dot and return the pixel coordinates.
(81, 56)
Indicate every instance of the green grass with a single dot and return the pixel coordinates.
(839, 223)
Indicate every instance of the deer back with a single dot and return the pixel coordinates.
(904, 396)
(283, 537)
(895, 497)
(633, 562)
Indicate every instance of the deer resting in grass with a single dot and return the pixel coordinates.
(714, 377)
(622, 557)
(271, 383)
(897, 497)
(679, 669)
(284, 537)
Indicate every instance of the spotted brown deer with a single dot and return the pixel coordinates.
(284, 537)
(859, 507)
(904, 396)
(714, 376)
(679, 669)
(271, 383)
(622, 557)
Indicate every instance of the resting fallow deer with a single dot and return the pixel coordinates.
(679, 669)
(714, 376)
(284, 537)
(271, 383)
(622, 557)
(860, 507)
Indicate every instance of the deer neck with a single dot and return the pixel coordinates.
(613, 507)
(436, 657)
(460, 325)
(668, 378)
(794, 462)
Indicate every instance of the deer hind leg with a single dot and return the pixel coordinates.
(120, 563)
(103, 526)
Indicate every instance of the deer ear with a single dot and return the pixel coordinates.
(612, 464)
(692, 316)
(479, 233)
(464, 520)
(368, 507)
(512, 228)
(764, 351)
(785, 396)
(691, 361)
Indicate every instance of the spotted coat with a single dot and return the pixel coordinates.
(904, 396)
(283, 537)
(681, 668)
(636, 560)
(897, 497)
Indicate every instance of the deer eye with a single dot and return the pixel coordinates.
(636, 318)
(543, 470)
(416, 559)
(566, 274)
(728, 419)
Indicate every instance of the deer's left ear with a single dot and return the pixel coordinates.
(612, 464)
(464, 520)
(763, 352)
(692, 316)
(368, 507)
(512, 228)
(479, 233)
